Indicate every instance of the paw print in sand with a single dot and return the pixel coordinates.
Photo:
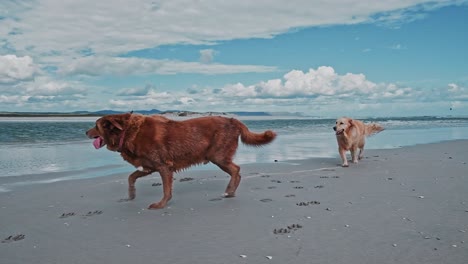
(13, 238)
(307, 203)
(91, 213)
(65, 215)
(287, 230)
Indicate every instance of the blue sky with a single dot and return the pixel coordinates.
(321, 58)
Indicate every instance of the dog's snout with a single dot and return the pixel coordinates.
(334, 128)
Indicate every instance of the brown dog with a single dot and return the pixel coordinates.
(155, 143)
(351, 135)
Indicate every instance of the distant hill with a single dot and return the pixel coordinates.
(251, 113)
(144, 112)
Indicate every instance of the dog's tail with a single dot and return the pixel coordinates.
(254, 139)
(372, 129)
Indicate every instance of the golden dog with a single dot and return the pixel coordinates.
(351, 135)
(155, 143)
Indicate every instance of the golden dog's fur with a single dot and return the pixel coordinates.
(351, 135)
(155, 143)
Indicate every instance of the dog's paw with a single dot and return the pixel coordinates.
(344, 165)
(229, 195)
(159, 205)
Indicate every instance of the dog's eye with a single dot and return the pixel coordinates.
(341, 123)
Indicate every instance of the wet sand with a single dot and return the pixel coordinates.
(406, 205)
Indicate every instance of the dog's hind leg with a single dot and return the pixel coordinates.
(361, 153)
(167, 178)
(131, 182)
(233, 170)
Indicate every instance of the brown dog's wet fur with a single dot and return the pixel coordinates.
(351, 135)
(157, 144)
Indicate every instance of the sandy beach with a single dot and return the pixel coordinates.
(404, 205)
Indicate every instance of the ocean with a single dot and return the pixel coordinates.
(49, 149)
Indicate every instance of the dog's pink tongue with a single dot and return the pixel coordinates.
(97, 142)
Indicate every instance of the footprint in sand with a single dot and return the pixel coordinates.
(275, 181)
(265, 176)
(298, 187)
(290, 195)
(13, 238)
(215, 199)
(294, 181)
(266, 200)
(324, 177)
(156, 184)
(319, 187)
(271, 187)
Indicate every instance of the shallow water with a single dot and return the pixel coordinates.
(58, 148)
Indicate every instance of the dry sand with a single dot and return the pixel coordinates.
(407, 205)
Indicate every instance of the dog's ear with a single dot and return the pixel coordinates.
(115, 123)
(350, 122)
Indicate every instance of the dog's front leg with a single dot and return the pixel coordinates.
(343, 157)
(166, 176)
(131, 182)
(354, 155)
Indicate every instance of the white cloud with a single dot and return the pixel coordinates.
(454, 88)
(91, 38)
(207, 55)
(323, 81)
(96, 66)
(238, 90)
(456, 92)
(186, 100)
(398, 47)
(111, 27)
(148, 101)
(321, 86)
(42, 93)
(14, 69)
(133, 91)
(13, 99)
(43, 86)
